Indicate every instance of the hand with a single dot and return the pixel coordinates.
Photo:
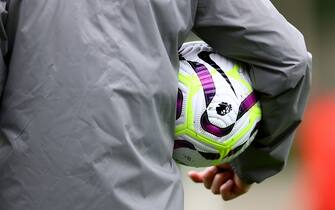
(221, 180)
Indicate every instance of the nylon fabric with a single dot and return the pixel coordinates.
(89, 92)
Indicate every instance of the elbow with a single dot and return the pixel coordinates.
(294, 62)
(299, 69)
(299, 61)
(289, 62)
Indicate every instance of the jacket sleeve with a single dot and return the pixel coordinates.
(253, 31)
(5, 148)
(3, 45)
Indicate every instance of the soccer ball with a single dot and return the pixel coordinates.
(218, 114)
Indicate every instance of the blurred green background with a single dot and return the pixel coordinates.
(316, 20)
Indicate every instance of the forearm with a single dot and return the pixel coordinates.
(254, 32)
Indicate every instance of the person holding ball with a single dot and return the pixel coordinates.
(88, 93)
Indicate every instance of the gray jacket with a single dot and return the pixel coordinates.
(88, 92)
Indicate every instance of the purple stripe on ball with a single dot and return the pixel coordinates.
(179, 103)
(206, 81)
(183, 144)
(246, 104)
(213, 129)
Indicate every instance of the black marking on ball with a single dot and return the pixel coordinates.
(223, 108)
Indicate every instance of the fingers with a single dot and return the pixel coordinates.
(212, 177)
(196, 177)
(219, 180)
(205, 176)
(233, 188)
(226, 190)
(209, 175)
